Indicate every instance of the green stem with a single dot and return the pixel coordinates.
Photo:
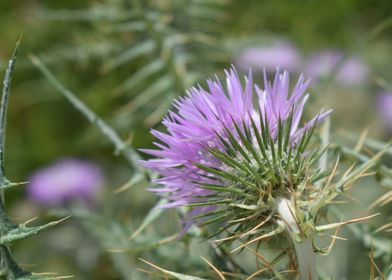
(126, 150)
(9, 269)
(306, 258)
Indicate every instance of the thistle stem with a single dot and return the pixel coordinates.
(306, 258)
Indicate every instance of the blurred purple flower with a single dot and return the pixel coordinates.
(384, 104)
(280, 54)
(200, 122)
(65, 180)
(352, 72)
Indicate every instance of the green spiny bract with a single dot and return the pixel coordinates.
(257, 171)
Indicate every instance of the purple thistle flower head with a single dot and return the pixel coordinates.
(281, 53)
(225, 147)
(352, 72)
(65, 180)
(384, 105)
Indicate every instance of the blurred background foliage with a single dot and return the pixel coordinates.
(127, 59)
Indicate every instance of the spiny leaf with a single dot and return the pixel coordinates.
(356, 173)
(3, 108)
(21, 232)
(8, 184)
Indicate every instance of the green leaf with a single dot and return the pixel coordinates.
(3, 108)
(7, 184)
(21, 232)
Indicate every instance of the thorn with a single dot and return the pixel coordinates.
(361, 139)
(29, 221)
(154, 266)
(374, 266)
(334, 238)
(257, 273)
(382, 200)
(335, 225)
(258, 226)
(214, 268)
(384, 227)
(276, 231)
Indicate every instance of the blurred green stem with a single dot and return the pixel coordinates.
(121, 147)
(9, 269)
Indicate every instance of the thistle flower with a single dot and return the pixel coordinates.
(65, 180)
(384, 105)
(238, 161)
(226, 142)
(351, 71)
(268, 57)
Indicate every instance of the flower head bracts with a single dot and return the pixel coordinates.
(225, 152)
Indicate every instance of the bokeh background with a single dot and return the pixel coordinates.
(127, 60)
